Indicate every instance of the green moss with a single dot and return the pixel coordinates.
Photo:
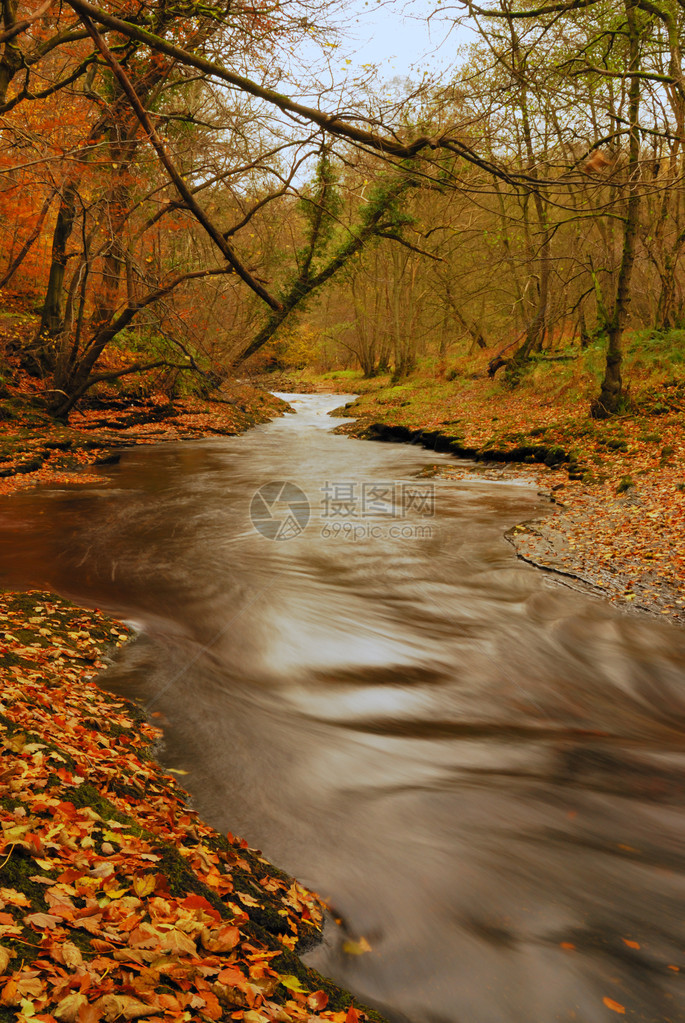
(625, 483)
(8, 660)
(86, 795)
(18, 869)
(616, 444)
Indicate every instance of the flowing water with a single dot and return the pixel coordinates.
(481, 768)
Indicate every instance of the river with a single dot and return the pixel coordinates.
(481, 768)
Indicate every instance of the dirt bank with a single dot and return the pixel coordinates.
(36, 449)
(116, 900)
(616, 489)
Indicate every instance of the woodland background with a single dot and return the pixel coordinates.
(167, 213)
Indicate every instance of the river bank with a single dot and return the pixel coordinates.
(617, 489)
(116, 900)
(616, 522)
(620, 532)
(621, 540)
(36, 449)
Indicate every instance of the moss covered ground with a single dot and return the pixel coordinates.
(616, 486)
(116, 900)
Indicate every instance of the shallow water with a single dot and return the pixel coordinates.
(481, 768)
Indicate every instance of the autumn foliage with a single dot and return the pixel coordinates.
(116, 900)
(618, 518)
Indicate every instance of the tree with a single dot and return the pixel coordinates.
(594, 44)
(121, 75)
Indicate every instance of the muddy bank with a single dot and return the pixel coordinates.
(36, 449)
(621, 536)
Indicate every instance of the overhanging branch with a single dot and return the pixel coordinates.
(181, 187)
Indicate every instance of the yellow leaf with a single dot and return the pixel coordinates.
(143, 886)
(292, 983)
(356, 948)
(116, 894)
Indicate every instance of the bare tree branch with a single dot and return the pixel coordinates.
(185, 193)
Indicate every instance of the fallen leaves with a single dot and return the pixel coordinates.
(118, 902)
(356, 948)
(621, 521)
(35, 450)
(614, 1006)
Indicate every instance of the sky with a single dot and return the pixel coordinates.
(399, 37)
(402, 38)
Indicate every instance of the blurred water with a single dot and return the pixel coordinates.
(481, 768)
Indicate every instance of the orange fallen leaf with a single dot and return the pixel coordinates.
(42, 920)
(223, 940)
(89, 1014)
(317, 1001)
(232, 977)
(69, 1007)
(631, 944)
(614, 1006)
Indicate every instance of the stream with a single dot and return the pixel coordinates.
(480, 767)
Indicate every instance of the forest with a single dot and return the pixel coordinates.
(452, 702)
(172, 219)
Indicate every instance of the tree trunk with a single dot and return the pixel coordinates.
(537, 327)
(24, 250)
(51, 323)
(611, 396)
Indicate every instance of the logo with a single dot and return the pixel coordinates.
(279, 510)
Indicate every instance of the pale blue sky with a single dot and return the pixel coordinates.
(402, 38)
(399, 36)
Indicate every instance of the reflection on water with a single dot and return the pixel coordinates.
(480, 768)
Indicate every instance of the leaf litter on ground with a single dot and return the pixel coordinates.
(117, 902)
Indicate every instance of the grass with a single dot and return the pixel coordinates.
(618, 482)
(550, 393)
